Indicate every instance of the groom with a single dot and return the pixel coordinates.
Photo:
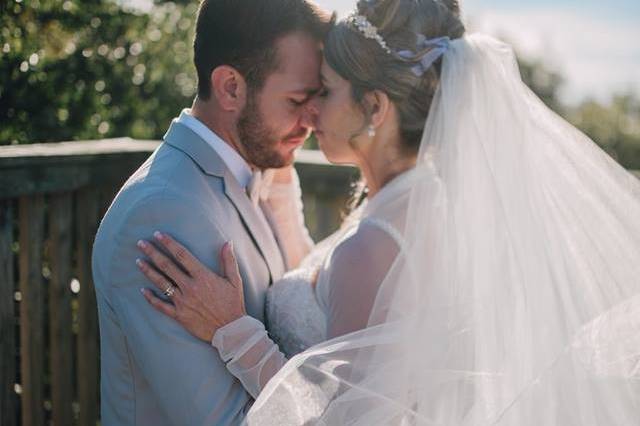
(257, 63)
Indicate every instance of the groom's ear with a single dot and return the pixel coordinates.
(378, 105)
(229, 87)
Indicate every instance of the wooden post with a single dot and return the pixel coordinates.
(7, 318)
(329, 214)
(32, 309)
(88, 354)
(60, 257)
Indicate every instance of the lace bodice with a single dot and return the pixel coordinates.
(294, 317)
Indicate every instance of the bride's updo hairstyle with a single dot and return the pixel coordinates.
(367, 66)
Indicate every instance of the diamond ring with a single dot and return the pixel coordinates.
(170, 290)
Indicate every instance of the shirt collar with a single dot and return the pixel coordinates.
(237, 165)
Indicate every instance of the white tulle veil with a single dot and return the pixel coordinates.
(516, 298)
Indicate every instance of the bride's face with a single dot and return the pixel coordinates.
(338, 118)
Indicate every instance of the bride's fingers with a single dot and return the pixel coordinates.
(159, 304)
(230, 265)
(163, 263)
(188, 261)
(159, 280)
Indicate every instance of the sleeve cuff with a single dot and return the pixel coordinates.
(228, 340)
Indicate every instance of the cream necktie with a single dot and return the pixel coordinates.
(259, 186)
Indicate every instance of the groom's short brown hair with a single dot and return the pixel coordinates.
(243, 33)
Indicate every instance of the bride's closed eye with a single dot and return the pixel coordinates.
(297, 102)
(323, 93)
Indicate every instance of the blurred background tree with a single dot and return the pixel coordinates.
(89, 69)
(544, 82)
(615, 125)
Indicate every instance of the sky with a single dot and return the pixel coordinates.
(595, 45)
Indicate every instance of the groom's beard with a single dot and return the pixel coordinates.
(259, 141)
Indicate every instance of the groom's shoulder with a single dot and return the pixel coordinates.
(166, 187)
(169, 169)
(168, 192)
(169, 174)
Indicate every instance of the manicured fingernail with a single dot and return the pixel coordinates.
(158, 235)
(142, 290)
(230, 246)
(142, 244)
(139, 263)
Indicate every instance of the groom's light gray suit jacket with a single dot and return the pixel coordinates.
(153, 371)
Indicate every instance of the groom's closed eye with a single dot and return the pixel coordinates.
(299, 102)
(300, 97)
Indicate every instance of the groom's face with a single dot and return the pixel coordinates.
(275, 120)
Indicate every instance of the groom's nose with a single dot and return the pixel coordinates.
(309, 115)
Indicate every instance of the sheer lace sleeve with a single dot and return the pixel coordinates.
(357, 268)
(250, 355)
(283, 209)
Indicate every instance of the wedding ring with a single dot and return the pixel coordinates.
(170, 290)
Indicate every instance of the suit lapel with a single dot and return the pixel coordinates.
(260, 230)
(181, 137)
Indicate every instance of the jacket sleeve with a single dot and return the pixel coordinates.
(187, 376)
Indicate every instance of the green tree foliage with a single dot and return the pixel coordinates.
(542, 81)
(88, 69)
(614, 126)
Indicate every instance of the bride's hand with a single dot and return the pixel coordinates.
(283, 175)
(203, 301)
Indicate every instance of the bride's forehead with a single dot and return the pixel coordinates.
(329, 75)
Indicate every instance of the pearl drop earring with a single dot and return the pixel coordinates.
(371, 131)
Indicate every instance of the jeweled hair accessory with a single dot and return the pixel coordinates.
(437, 47)
(368, 30)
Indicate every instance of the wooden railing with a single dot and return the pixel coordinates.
(52, 197)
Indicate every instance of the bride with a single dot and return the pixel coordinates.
(491, 276)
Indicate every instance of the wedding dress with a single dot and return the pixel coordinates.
(513, 297)
(330, 293)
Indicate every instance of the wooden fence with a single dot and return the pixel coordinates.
(52, 197)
